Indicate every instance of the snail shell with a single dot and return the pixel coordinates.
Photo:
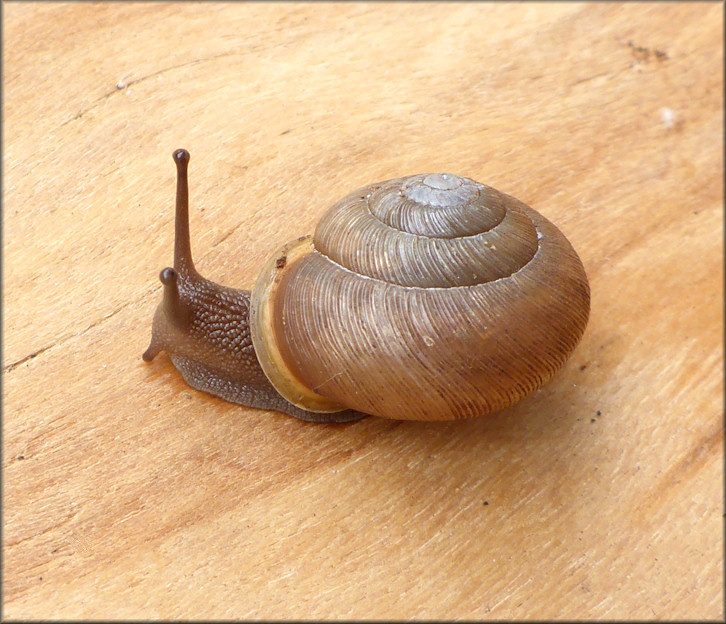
(429, 297)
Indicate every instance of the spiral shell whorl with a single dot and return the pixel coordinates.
(441, 205)
(427, 231)
(431, 297)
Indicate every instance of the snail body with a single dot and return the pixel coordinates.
(429, 297)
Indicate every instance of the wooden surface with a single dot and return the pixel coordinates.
(128, 494)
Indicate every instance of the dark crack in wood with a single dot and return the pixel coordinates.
(126, 85)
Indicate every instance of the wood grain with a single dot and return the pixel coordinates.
(127, 494)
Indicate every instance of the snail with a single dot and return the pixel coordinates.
(427, 297)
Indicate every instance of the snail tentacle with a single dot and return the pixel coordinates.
(205, 328)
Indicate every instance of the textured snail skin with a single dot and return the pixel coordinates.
(431, 297)
(205, 329)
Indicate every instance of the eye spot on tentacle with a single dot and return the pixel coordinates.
(167, 276)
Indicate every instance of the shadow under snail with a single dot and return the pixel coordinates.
(429, 297)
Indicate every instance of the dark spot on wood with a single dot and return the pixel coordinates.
(281, 262)
(583, 367)
(485, 503)
(592, 420)
(286, 132)
(21, 456)
(641, 53)
(599, 413)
